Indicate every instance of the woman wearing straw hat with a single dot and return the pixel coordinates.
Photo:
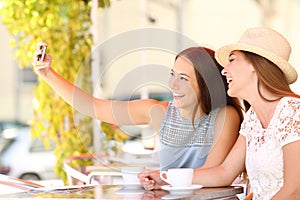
(257, 70)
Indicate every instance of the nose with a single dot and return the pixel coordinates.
(173, 83)
(224, 72)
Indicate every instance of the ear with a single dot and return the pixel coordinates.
(251, 68)
(253, 72)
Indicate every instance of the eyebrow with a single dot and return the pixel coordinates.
(180, 73)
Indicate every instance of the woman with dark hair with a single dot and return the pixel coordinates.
(198, 127)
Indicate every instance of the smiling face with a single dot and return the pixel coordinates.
(183, 83)
(240, 75)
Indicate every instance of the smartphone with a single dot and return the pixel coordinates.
(43, 48)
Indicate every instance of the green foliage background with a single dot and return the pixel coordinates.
(65, 26)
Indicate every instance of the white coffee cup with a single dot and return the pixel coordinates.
(130, 173)
(178, 177)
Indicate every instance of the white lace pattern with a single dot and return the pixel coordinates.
(264, 156)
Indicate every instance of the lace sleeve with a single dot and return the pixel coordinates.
(288, 122)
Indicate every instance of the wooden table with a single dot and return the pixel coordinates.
(117, 192)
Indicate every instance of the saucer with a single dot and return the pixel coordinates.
(131, 185)
(181, 190)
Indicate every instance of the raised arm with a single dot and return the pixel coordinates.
(116, 112)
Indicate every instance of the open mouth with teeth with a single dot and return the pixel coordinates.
(178, 96)
(229, 81)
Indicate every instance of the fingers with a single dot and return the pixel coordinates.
(42, 67)
(40, 51)
(148, 184)
(41, 44)
(145, 180)
(37, 63)
(143, 174)
(37, 55)
(149, 179)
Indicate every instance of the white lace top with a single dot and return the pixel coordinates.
(264, 156)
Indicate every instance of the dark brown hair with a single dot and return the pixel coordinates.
(212, 85)
(269, 76)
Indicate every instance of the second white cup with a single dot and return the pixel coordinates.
(178, 177)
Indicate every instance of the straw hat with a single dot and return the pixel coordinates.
(266, 43)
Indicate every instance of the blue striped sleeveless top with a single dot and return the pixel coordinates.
(183, 145)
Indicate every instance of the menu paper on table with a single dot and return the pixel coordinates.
(13, 185)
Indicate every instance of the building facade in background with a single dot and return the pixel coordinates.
(211, 23)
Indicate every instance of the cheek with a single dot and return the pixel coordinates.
(194, 91)
(245, 73)
(171, 82)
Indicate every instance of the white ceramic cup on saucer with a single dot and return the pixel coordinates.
(130, 174)
(178, 177)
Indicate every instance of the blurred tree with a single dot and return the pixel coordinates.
(65, 26)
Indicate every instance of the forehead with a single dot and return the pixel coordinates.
(236, 52)
(184, 66)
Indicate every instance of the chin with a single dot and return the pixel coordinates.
(231, 93)
(177, 104)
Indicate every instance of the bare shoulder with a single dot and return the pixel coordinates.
(228, 113)
(228, 122)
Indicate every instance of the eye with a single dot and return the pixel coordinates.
(231, 59)
(172, 73)
(183, 78)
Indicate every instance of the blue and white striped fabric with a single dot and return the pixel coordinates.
(182, 144)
